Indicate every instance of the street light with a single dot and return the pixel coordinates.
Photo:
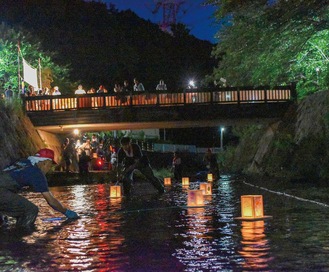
(221, 137)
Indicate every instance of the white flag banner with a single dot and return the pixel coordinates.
(30, 74)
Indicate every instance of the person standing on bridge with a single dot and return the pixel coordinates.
(130, 159)
(28, 172)
(161, 86)
(138, 86)
(102, 89)
(80, 90)
(56, 91)
(126, 88)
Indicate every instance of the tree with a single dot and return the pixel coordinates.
(273, 42)
(31, 51)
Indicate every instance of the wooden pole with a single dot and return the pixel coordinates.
(18, 68)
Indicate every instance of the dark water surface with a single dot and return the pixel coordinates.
(159, 233)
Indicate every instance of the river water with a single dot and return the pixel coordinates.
(154, 232)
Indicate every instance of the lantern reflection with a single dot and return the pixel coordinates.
(86, 242)
(254, 245)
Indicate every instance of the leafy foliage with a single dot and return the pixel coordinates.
(30, 50)
(272, 43)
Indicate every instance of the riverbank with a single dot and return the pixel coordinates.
(303, 189)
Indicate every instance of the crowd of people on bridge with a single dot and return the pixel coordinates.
(118, 88)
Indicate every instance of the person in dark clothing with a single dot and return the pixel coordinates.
(28, 172)
(177, 166)
(67, 154)
(130, 158)
(211, 163)
(84, 161)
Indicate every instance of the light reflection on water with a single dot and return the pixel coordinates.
(159, 233)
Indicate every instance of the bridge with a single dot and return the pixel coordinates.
(188, 108)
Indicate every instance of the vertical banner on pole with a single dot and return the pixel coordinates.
(30, 74)
(20, 88)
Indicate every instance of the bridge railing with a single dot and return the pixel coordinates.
(229, 95)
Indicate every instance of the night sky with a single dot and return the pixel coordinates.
(192, 13)
(198, 19)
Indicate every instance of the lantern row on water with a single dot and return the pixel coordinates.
(185, 180)
(252, 207)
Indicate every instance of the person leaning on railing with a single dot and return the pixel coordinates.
(161, 86)
(138, 86)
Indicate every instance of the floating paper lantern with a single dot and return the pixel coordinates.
(115, 191)
(95, 155)
(185, 181)
(252, 207)
(206, 188)
(195, 198)
(210, 177)
(167, 181)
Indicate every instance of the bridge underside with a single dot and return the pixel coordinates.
(158, 117)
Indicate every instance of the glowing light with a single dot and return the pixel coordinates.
(252, 207)
(206, 188)
(167, 181)
(115, 191)
(195, 198)
(210, 177)
(185, 181)
(76, 131)
(99, 162)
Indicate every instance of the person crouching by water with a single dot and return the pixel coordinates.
(131, 158)
(28, 172)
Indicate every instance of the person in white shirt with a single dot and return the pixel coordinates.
(56, 91)
(80, 90)
(138, 86)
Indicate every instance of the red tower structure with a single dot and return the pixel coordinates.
(170, 9)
